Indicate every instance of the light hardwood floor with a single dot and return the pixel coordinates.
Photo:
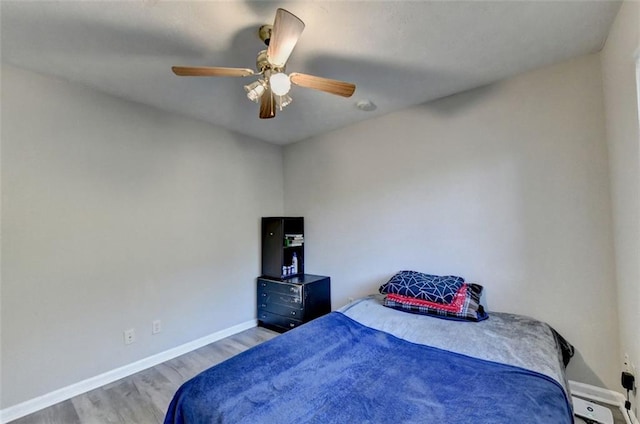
(143, 397)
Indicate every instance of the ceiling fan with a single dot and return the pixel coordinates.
(272, 87)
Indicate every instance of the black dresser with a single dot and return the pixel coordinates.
(286, 304)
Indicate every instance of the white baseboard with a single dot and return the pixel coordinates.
(599, 394)
(32, 405)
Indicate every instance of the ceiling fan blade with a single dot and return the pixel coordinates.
(203, 71)
(287, 29)
(267, 105)
(341, 88)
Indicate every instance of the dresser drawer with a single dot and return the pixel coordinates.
(278, 320)
(280, 287)
(269, 298)
(282, 310)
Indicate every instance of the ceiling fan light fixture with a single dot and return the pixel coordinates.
(283, 101)
(255, 90)
(280, 83)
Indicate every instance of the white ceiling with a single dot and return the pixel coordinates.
(398, 53)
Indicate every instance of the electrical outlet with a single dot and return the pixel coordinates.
(156, 327)
(626, 364)
(129, 336)
(350, 299)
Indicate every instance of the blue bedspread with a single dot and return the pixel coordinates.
(335, 370)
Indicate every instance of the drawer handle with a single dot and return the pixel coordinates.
(264, 295)
(263, 316)
(263, 284)
(293, 313)
(291, 325)
(264, 305)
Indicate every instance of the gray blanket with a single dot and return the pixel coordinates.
(504, 338)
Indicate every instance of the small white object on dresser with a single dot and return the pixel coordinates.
(592, 394)
(594, 412)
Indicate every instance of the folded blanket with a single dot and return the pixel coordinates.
(471, 309)
(433, 288)
(455, 306)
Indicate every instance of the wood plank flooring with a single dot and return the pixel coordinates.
(143, 398)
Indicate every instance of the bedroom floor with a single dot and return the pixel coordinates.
(143, 397)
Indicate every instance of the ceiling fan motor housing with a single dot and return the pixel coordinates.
(265, 33)
(263, 64)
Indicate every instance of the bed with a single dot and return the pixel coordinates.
(367, 363)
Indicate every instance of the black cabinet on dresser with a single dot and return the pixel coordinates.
(286, 304)
(282, 246)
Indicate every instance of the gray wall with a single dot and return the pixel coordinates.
(113, 215)
(623, 137)
(505, 185)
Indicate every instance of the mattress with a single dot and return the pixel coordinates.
(371, 364)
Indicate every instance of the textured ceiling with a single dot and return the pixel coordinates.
(398, 53)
